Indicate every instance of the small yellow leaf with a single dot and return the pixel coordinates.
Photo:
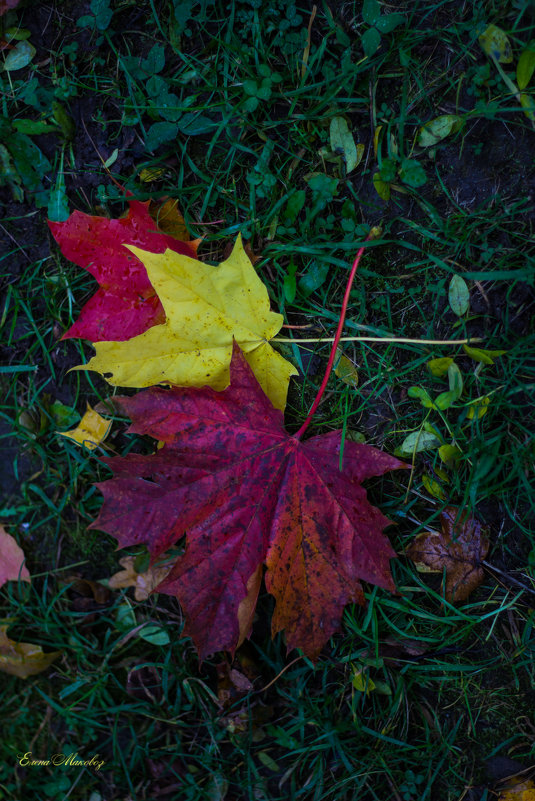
(483, 356)
(22, 659)
(439, 367)
(449, 454)
(148, 174)
(362, 682)
(381, 187)
(206, 309)
(528, 104)
(479, 407)
(90, 431)
(495, 43)
(433, 487)
(345, 369)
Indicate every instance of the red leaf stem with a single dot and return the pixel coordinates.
(374, 234)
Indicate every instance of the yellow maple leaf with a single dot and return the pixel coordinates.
(90, 431)
(206, 308)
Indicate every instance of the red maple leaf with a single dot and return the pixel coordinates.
(125, 304)
(244, 492)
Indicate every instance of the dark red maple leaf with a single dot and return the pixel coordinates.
(7, 5)
(125, 304)
(246, 492)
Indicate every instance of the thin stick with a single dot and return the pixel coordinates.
(380, 339)
(374, 234)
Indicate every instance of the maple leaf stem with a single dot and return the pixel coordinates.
(374, 233)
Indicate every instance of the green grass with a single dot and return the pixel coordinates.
(453, 684)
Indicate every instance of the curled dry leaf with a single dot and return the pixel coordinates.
(23, 659)
(206, 309)
(12, 567)
(459, 549)
(144, 582)
(91, 431)
(246, 492)
(125, 304)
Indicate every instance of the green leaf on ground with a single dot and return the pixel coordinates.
(525, 66)
(18, 58)
(342, 141)
(439, 128)
(458, 296)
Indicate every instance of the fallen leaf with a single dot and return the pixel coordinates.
(525, 66)
(342, 141)
(244, 492)
(433, 487)
(522, 790)
(22, 659)
(361, 681)
(6, 5)
(206, 308)
(439, 367)
(459, 549)
(144, 583)
(478, 408)
(345, 369)
(125, 305)
(19, 57)
(395, 652)
(90, 431)
(458, 295)
(449, 454)
(495, 43)
(169, 220)
(483, 356)
(381, 187)
(12, 567)
(89, 589)
(439, 128)
(416, 442)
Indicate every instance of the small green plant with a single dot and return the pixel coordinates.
(100, 17)
(260, 89)
(378, 23)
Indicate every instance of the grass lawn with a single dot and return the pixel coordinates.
(228, 106)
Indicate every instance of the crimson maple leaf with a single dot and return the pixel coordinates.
(244, 492)
(125, 304)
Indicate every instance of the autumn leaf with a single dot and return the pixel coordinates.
(459, 549)
(125, 305)
(7, 5)
(144, 582)
(22, 659)
(245, 492)
(206, 308)
(90, 431)
(170, 221)
(12, 567)
(518, 789)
